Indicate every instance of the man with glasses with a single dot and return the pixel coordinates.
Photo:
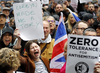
(80, 27)
(51, 21)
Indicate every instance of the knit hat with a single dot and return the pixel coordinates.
(3, 14)
(6, 8)
(87, 16)
(7, 29)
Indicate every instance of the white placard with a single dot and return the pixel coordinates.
(28, 19)
(98, 1)
(82, 53)
(45, 1)
(74, 4)
(59, 1)
(85, 1)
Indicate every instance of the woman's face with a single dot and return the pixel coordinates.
(35, 51)
(65, 54)
(7, 38)
(71, 19)
(12, 23)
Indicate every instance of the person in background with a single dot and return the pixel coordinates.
(70, 22)
(90, 32)
(3, 3)
(98, 16)
(3, 23)
(6, 11)
(51, 21)
(8, 40)
(80, 27)
(9, 60)
(12, 23)
(98, 30)
(63, 69)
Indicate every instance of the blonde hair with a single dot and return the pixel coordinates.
(9, 59)
(68, 21)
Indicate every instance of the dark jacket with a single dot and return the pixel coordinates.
(28, 65)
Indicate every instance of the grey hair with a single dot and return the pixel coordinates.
(89, 29)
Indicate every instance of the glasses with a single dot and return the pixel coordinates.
(81, 28)
(51, 21)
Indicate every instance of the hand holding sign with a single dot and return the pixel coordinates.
(84, 50)
(97, 68)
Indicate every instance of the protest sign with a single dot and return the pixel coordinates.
(28, 19)
(42, 1)
(85, 1)
(82, 53)
(59, 1)
(74, 4)
(98, 1)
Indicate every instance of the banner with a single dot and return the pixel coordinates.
(82, 53)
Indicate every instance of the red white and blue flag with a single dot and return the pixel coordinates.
(58, 60)
(76, 18)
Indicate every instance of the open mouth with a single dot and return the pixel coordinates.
(36, 52)
(7, 40)
(50, 25)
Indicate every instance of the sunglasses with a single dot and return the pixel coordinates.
(51, 21)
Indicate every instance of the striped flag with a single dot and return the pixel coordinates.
(58, 60)
(76, 18)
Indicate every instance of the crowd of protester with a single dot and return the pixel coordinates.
(35, 55)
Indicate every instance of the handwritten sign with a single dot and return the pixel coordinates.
(28, 19)
(59, 1)
(85, 1)
(82, 53)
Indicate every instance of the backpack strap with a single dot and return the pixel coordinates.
(43, 48)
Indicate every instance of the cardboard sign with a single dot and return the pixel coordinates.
(82, 53)
(85, 1)
(28, 19)
(59, 1)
